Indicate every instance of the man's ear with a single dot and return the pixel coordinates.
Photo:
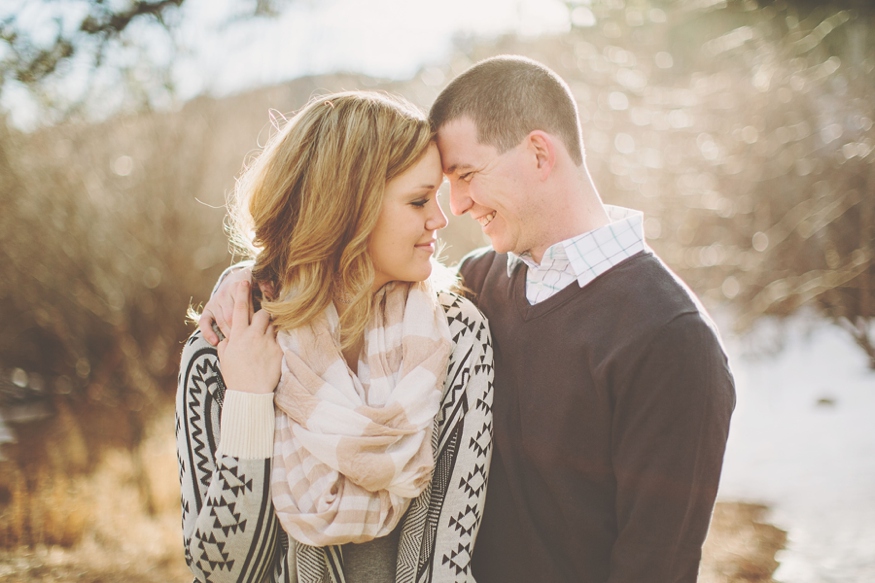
(543, 147)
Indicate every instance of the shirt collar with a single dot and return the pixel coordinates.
(570, 249)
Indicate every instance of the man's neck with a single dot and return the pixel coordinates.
(584, 212)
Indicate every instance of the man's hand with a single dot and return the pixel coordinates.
(249, 356)
(217, 315)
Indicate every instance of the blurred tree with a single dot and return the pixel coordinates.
(795, 148)
(42, 41)
(108, 232)
(744, 130)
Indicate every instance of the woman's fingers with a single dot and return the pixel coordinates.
(261, 321)
(242, 308)
(251, 358)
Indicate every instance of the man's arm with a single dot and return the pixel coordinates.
(671, 423)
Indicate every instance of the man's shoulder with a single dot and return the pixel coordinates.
(648, 292)
(645, 278)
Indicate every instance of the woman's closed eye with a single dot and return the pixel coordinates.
(420, 203)
(426, 198)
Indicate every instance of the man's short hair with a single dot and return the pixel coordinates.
(508, 97)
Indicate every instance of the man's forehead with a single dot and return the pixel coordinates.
(456, 141)
(453, 160)
(459, 127)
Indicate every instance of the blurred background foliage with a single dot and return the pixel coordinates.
(743, 129)
(77, 58)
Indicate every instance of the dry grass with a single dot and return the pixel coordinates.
(119, 523)
(740, 546)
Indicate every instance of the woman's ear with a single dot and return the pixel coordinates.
(542, 146)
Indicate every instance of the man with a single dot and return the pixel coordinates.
(612, 392)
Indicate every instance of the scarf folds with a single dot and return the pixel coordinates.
(351, 452)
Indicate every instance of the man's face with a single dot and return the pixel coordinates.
(494, 188)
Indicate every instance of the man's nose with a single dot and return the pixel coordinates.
(460, 200)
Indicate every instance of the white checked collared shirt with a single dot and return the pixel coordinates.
(584, 257)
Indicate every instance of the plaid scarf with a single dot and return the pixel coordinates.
(351, 452)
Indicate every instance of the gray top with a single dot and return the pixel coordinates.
(373, 561)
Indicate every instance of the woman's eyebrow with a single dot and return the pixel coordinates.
(425, 186)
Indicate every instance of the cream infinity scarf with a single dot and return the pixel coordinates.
(351, 452)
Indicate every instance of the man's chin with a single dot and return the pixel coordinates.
(502, 247)
(498, 245)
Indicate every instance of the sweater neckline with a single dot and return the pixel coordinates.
(528, 311)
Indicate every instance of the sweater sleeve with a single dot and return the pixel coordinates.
(230, 531)
(247, 422)
(671, 421)
(464, 443)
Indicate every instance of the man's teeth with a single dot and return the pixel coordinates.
(486, 219)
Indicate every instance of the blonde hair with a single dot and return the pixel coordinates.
(305, 207)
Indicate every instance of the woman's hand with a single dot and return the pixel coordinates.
(250, 357)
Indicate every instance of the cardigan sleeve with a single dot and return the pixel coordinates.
(464, 444)
(671, 421)
(230, 531)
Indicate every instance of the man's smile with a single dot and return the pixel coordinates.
(486, 219)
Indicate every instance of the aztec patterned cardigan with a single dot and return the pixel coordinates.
(230, 530)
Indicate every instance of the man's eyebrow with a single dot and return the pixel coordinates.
(452, 169)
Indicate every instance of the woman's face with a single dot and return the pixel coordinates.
(403, 241)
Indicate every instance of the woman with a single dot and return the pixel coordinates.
(373, 451)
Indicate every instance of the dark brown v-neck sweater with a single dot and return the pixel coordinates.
(611, 412)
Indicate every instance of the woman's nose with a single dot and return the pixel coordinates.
(438, 219)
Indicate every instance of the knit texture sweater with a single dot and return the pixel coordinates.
(224, 445)
(611, 413)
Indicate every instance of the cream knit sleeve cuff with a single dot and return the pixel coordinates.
(247, 425)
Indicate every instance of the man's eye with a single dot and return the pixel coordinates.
(466, 176)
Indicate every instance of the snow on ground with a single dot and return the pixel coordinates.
(802, 441)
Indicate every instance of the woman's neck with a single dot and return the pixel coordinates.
(351, 355)
(353, 352)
